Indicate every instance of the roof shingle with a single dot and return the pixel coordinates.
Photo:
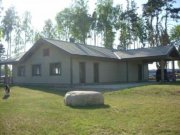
(101, 52)
(79, 49)
(145, 52)
(88, 50)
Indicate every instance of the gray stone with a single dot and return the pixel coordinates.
(83, 98)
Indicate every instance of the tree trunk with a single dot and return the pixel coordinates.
(94, 38)
(173, 71)
(162, 65)
(157, 30)
(151, 31)
(166, 17)
(0, 72)
(6, 74)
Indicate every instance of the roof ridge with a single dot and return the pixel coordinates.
(56, 40)
(170, 47)
(77, 43)
(80, 48)
(145, 48)
(97, 50)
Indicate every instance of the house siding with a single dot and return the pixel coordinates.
(133, 71)
(110, 71)
(122, 72)
(146, 72)
(56, 55)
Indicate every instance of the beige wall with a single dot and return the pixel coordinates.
(133, 71)
(122, 69)
(38, 58)
(109, 70)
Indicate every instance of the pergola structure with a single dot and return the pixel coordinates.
(160, 54)
(170, 55)
(10, 61)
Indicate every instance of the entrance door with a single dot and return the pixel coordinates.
(139, 72)
(96, 72)
(82, 72)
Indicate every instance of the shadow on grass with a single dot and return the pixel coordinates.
(169, 83)
(91, 107)
(5, 97)
(47, 89)
(62, 91)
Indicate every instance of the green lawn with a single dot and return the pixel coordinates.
(145, 110)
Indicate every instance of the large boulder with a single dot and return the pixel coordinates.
(83, 98)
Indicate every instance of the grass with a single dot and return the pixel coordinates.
(145, 110)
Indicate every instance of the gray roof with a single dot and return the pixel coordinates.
(86, 50)
(165, 52)
(160, 51)
(12, 59)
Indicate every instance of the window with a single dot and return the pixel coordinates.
(21, 71)
(46, 52)
(36, 70)
(55, 69)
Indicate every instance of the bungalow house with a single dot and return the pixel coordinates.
(65, 63)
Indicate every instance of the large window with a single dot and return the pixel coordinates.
(36, 70)
(55, 69)
(21, 71)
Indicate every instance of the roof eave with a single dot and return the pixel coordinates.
(97, 57)
(149, 58)
(8, 62)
